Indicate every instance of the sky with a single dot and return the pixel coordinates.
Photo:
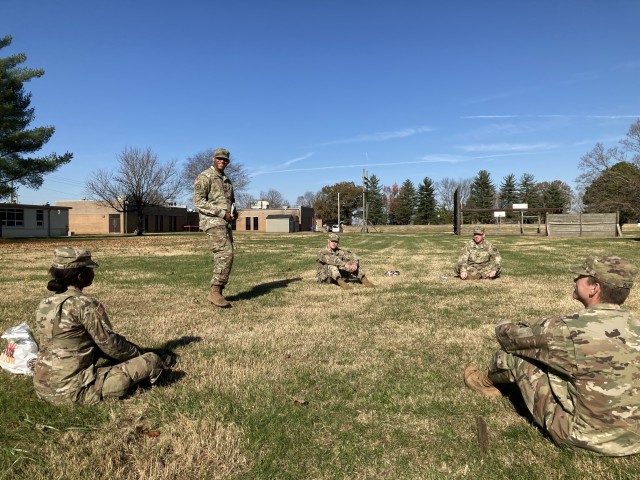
(310, 93)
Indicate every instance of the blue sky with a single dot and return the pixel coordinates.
(308, 93)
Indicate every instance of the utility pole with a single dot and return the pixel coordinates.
(365, 188)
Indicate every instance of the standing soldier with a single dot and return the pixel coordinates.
(214, 199)
(478, 259)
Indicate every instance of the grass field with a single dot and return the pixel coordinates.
(299, 380)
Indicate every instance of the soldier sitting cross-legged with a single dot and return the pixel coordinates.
(579, 375)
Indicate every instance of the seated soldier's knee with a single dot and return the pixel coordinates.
(116, 384)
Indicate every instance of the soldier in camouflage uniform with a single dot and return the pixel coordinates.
(213, 197)
(579, 375)
(75, 335)
(335, 264)
(478, 259)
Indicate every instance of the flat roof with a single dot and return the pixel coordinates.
(41, 207)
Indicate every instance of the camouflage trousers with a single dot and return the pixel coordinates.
(477, 272)
(533, 383)
(329, 273)
(221, 245)
(114, 381)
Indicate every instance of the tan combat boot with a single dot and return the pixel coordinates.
(479, 382)
(365, 281)
(215, 297)
(343, 284)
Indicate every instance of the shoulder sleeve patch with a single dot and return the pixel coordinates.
(100, 310)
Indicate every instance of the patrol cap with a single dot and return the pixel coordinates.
(72, 257)
(221, 153)
(335, 237)
(608, 269)
(478, 230)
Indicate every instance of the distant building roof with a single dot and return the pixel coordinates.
(24, 205)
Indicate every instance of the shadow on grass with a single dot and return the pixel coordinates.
(170, 376)
(512, 392)
(263, 289)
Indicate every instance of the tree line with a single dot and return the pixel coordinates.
(432, 202)
(609, 179)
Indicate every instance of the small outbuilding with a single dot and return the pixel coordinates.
(281, 224)
(20, 220)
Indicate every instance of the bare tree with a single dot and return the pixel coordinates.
(306, 200)
(446, 187)
(244, 200)
(595, 162)
(139, 182)
(275, 198)
(235, 171)
(631, 144)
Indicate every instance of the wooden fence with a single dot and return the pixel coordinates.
(583, 225)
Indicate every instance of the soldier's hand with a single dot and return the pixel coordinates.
(228, 217)
(463, 275)
(492, 274)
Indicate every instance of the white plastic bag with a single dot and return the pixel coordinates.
(20, 352)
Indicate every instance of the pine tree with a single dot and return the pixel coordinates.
(556, 194)
(482, 195)
(376, 202)
(508, 193)
(426, 203)
(406, 205)
(16, 140)
(528, 191)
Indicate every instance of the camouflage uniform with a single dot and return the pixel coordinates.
(213, 197)
(579, 375)
(329, 262)
(478, 259)
(74, 336)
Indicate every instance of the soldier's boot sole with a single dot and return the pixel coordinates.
(342, 284)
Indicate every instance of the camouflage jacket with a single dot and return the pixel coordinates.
(74, 332)
(213, 197)
(593, 361)
(337, 257)
(479, 255)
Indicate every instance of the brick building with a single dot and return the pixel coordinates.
(88, 217)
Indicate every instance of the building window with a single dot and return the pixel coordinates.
(247, 223)
(39, 218)
(12, 217)
(255, 223)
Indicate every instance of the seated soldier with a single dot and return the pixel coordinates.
(75, 336)
(478, 259)
(579, 375)
(335, 265)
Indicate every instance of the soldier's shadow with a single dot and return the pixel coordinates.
(263, 289)
(512, 392)
(167, 348)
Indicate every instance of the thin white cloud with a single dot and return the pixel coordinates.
(506, 147)
(380, 136)
(628, 65)
(421, 160)
(472, 117)
(278, 168)
(298, 159)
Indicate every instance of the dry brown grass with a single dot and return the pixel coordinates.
(301, 380)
